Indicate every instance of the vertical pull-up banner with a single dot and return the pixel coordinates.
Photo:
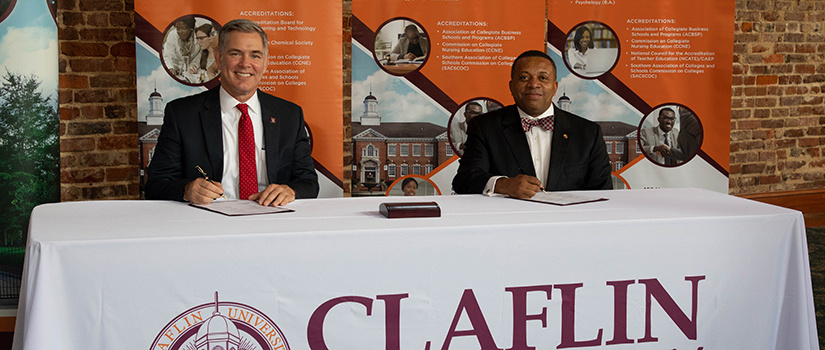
(175, 58)
(656, 77)
(420, 69)
(29, 127)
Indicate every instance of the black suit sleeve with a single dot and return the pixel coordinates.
(166, 177)
(474, 166)
(598, 174)
(300, 172)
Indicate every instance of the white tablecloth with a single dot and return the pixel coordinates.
(647, 269)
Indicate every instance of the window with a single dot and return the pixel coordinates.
(449, 151)
(619, 147)
(609, 146)
(391, 170)
(428, 150)
(638, 149)
(416, 150)
(428, 168)
(369, 151)
(619, 165)
(391, 150)
(405, 169)
(405, 150)
(417, 169)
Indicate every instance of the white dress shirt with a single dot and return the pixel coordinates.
(230, 117)
(540, 141)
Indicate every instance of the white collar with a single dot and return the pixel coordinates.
(228, 103)
(548, 113)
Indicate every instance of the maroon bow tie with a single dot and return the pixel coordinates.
(545, 123)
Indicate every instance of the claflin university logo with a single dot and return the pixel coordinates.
(221, 325)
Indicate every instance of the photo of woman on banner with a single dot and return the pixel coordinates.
(206, 68)
(577, 55)
(412, 185)
(401, 46)
(411, 46)
(592, 49)
(184, 45)
(409, 186)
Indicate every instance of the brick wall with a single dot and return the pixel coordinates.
(777, 111)
(778, 104)
(98, 109)
(347, 48)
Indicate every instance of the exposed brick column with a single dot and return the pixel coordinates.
(98, 123)
(778, 105)
(347, 53)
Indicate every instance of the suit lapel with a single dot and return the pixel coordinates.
(517, 142)
(212, 132)
(558, 152)
(271, 130)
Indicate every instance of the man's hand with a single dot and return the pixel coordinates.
(274, 195)
(662, 150)
(409, 56)
(522, 186)
(201, 191)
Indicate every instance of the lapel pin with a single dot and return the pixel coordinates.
(272, 121)
(564, 135)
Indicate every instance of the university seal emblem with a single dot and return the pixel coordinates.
(221, 325)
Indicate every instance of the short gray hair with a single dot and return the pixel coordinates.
(241, 25)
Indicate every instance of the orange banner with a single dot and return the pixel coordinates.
(304, 65)
(418, 67)
(636, 67)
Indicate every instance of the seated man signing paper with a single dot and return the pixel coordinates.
(531, 146)
(251, 144)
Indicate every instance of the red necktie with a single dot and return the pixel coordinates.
(248, 184)
(545, 123)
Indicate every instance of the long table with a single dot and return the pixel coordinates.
(646, 269)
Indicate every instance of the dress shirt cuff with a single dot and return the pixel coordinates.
(490, 188)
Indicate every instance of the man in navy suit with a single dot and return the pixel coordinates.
(531, 146)
(203, 130)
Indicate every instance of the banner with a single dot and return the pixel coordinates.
(419, 71)
(29, 127)
(174, 48)
(656, 78)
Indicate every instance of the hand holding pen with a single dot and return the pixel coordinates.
(526, 174)
(521, 186)
(202, 190)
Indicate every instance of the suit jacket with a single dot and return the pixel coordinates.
(192, 135)
(653, 136)
(496, 145)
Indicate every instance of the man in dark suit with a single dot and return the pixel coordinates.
(531, 146)
(252, 145)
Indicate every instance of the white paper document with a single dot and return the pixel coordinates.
(562, 198)
(241, 207)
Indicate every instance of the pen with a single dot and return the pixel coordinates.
(525, 173)
(207, 177)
